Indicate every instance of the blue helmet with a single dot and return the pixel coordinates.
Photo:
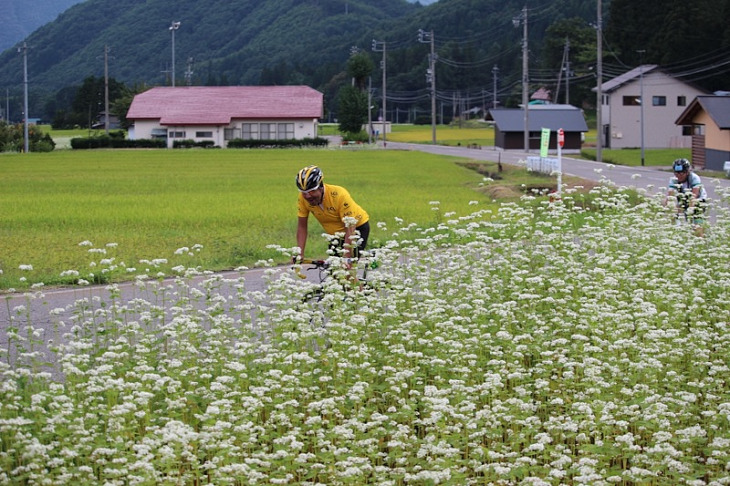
(681, 165)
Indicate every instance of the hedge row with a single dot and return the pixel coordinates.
(304, 142)
(113, 142)
(187, 143)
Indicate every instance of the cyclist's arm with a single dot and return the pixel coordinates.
(695, 194)
(302, 234)
(347, 247)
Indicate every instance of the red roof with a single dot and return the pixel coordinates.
(217, 105)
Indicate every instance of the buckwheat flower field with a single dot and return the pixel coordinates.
(550, 343)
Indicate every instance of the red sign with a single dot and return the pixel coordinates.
(561, 137)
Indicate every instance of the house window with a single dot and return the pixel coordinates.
(203, 134)
(268, 131)
(681, 101)
(659, 100)
(250, 131)
(632, 100)
(176, 134)
(285, 131)
(231, 133)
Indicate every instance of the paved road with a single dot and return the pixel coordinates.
(654, 179)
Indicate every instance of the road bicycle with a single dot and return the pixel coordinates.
(691, 215)
(348, 280)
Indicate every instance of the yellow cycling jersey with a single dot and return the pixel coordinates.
(336, 205)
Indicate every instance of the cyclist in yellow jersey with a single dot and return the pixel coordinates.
(331, 205)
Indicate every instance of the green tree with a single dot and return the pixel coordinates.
(121, 105)
(581, 40)
(352, 100)
(360, 67)
(353, 109)
(81, 105)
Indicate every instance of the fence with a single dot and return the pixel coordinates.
(544, 165)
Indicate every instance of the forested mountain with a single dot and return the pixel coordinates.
(249, 42)
(18, 18)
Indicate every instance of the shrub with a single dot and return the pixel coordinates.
(304, 142)
(361, 137)
(106, 141)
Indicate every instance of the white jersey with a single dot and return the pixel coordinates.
(692, 181)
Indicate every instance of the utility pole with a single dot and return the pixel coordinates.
(567, 72)
(24, 50)
(522, 18)
(425, 37)
(378, 47)
(641, 97)
(599, 85)
(173, 27)
(564, 67)
(495, 73)
(370, 108)
(106, 89)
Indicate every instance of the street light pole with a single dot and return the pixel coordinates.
(173, 27)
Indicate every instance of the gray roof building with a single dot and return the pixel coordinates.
(509, 125)
(707, 119)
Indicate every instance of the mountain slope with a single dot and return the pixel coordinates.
(20, 17)
(237, 38)
(249, 42)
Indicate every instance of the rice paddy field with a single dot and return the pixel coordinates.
(580, 341)
(144, 205)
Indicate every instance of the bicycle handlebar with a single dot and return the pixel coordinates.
(318, 264)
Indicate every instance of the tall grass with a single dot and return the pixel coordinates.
(147, 204)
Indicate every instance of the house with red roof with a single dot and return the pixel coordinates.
(223, 113)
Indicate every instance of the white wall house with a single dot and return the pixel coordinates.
(666, 98)
(222, 113)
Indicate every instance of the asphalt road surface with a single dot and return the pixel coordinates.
(653, 179)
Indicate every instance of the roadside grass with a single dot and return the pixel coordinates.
(138, 208)
(632, 157)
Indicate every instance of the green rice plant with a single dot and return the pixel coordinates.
(136, 206)
(445, 135)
